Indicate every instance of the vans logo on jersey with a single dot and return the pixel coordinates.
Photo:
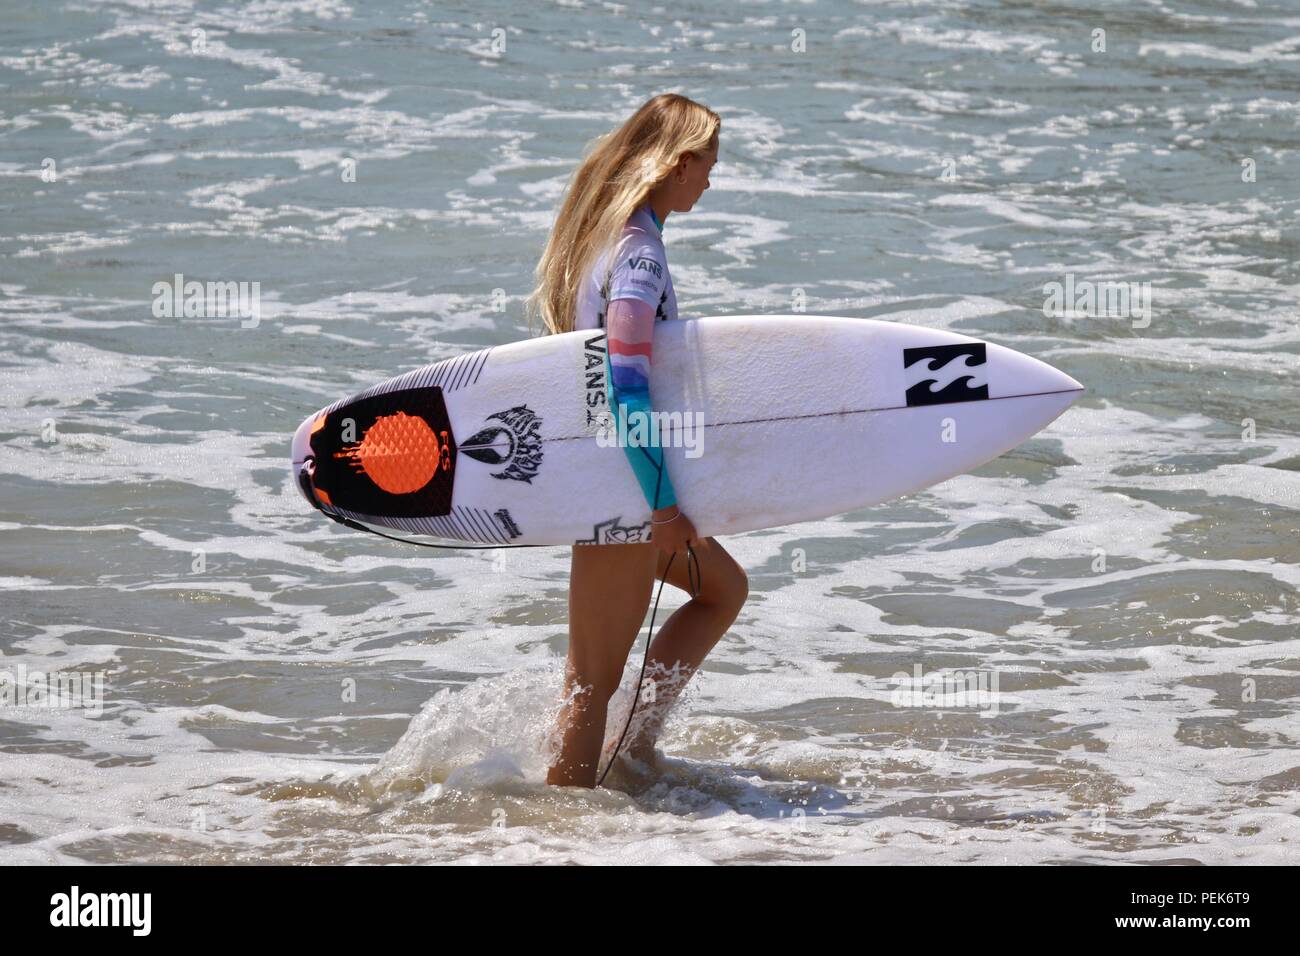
(645, 264)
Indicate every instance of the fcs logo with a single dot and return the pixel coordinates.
(939, 374)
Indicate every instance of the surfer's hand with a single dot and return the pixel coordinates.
(676, 534)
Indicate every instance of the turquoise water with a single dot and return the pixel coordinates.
(279, 689)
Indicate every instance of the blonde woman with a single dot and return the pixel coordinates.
(609, 231)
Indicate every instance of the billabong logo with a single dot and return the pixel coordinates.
(514, 443)
(939, 374)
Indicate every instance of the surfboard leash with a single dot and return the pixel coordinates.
(645, 659)
(305, 483)
(358, 526)
(695, 580)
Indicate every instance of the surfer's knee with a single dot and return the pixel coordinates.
(729, 590)
(739, 591)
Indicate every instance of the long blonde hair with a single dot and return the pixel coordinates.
(614, 178)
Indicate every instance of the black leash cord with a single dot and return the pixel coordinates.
(636, 698)
(695, 580)
(358, 526)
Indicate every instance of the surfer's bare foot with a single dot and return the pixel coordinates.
(636, 772)
(644, 754)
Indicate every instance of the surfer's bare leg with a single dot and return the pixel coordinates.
(609, 591)
(691, 632)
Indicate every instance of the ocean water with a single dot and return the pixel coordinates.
(278, 689)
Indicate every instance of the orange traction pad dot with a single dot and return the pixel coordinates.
(399, 453)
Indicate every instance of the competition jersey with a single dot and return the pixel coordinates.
(639, 272)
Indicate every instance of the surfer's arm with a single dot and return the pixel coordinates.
(631, 323)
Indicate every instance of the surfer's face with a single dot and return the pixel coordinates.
(696, 173)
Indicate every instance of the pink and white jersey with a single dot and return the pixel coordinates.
(640, 272)
(628, 300)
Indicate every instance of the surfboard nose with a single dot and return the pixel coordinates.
(1058, 380)
(1015, 373)
(302, 440)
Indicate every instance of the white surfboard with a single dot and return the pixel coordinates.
(784, 418)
